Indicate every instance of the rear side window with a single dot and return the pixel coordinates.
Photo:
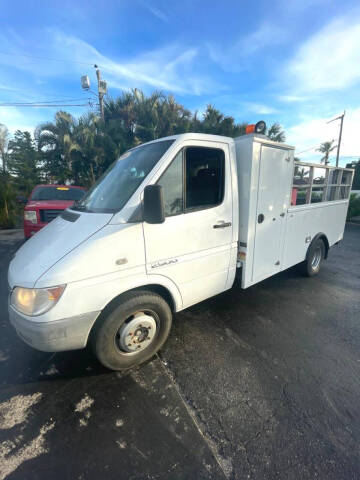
(194, 180)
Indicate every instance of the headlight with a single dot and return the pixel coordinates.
(35, 301)
(30, 216)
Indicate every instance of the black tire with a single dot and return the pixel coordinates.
(106, 335)
(314, 258)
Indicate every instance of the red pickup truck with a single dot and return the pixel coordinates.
(46, 202)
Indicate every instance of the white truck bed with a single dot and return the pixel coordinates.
(283, 205)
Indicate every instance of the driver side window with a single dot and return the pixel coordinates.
(197, 171)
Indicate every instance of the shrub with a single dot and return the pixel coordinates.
(6, 222)
(354, 206)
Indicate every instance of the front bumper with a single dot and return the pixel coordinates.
(55, 336)
(32, 228)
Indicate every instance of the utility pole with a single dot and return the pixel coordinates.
(340, 135)
(100, 91)
(102, 88)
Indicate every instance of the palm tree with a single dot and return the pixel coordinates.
(276, 133)
(217, 123)
(135, 118)
(95, 150)
(326, 148)
(57, 143)
(79, 150)
(147, 115)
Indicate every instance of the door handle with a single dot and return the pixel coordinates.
(261, 218)
(222, 225)
(282, 214)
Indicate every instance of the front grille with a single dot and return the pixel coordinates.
(47, 215)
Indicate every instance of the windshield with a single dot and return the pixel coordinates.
(57, 193)
(114, 188)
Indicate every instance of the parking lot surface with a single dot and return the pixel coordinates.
(262, 383)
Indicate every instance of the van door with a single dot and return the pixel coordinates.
(273, 199)
(192, 247)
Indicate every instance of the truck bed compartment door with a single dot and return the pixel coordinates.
(275, 175)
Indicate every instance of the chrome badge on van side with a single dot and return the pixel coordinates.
(166, 262)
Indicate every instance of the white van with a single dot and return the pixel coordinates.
(167, 226)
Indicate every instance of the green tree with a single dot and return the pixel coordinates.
(57, 143)
(23, 162)
(215, 122)
(356, 180)
(7, 201)
(79, 150)
(276, 133)
(354, 206)
(6, 190)
(4, 141)
(326, 148)
(95, 150)
(135, 118)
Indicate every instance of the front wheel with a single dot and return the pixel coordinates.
(314, 258)
(133, 331)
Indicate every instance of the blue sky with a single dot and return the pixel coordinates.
(292, 61)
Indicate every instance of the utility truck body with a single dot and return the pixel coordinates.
(284, 205)
(167, 226)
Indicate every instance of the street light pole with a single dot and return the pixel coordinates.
(340, 135)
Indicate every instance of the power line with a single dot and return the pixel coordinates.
(14, 104)
(45, 58)
(307, 150)
(46, 105)
(31, 95)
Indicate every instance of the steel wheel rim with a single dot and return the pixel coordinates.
(316, 259)
(137, 333)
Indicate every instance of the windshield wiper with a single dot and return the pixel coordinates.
(79, 207)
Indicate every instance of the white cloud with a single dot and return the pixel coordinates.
(8, 88)
(308, 135)
(298, 6)
(291, 98)
(329, 59)
(14, 119)
(28, 118)
(160, 14)
(233, 57)
(266, 35)
(172, 68)
(260, 109)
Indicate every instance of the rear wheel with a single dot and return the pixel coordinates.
(133, 331)
(315, 256)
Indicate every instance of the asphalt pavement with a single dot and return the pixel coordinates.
(262, 383)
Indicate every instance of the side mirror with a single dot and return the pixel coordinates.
(153, 204)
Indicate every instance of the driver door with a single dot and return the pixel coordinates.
(192, 247)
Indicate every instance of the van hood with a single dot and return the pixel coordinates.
(51, 244)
